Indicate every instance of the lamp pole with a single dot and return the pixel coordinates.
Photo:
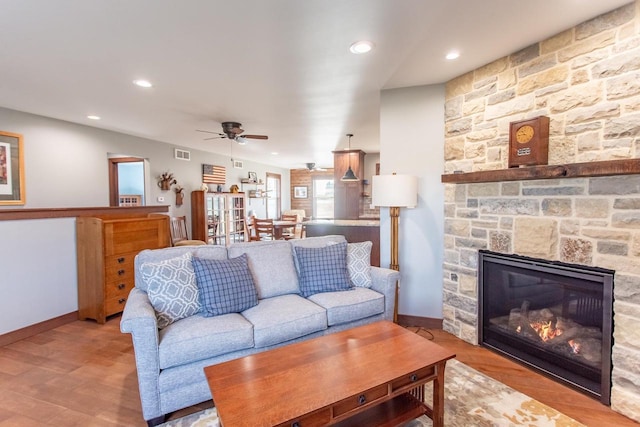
(394, 212)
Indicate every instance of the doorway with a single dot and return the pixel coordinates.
(127, 181)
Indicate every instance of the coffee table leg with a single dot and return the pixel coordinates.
(438, 396)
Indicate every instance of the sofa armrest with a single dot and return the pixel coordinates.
(139, 319)
(384, 281)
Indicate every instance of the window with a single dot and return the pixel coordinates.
(322, 198)
(273, 195)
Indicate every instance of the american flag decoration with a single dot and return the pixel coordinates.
(212, 174)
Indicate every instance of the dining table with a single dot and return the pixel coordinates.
(280, 226)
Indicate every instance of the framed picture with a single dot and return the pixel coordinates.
(300, 192)
(12, 190)
(253, 177)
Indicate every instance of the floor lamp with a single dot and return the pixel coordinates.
(395, 192)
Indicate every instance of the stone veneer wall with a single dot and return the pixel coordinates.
(587, 80)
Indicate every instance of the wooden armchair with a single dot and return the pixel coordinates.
(179, 234)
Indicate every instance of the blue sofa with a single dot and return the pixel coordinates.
(170, 361)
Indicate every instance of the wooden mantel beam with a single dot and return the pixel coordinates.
(575, 170)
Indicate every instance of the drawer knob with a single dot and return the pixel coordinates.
(120, 272)
(121, 260)
(121, 300)
(414, 377)
(295, 424)
(121, 286)
(362, 399)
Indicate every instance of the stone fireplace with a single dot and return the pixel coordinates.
(585, 80)
(588, 221)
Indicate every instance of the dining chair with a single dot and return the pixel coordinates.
(252, 235)
(263, 228)
(289, 232)
(179, 234)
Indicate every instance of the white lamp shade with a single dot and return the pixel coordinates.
(395, 191)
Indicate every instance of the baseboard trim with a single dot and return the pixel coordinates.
(425, 322)
(31, 330)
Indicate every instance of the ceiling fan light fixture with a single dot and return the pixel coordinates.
(361, 47)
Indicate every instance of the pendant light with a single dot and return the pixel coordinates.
(349, 175)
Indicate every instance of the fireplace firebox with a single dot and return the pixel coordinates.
(552, 316)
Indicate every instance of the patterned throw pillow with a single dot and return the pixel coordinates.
(359, 263)
(323, 269)
(225, 286)
(171, 288)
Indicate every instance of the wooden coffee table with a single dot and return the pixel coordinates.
(373, 375)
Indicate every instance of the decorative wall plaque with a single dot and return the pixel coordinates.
(529, 142)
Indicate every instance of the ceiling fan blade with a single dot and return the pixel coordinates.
(214, 137)
(208, 131)
(256, 136)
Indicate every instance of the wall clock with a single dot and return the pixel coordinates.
(529, 142)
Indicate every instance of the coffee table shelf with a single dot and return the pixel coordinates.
(401, 409)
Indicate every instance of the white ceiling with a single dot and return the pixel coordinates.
(280, 67)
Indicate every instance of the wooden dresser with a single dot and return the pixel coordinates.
(106, 248)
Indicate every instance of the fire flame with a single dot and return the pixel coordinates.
(546, 331)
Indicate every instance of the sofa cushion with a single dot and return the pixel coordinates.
(225, 286)
(271, 264)
(172, 290)
(359, 263)
(155, 255)
(323, 269)
(343, 307)
(314, 242)
(197, 338)
(283, 318)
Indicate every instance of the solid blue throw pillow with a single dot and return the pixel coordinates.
(323, 269)
(224, 286)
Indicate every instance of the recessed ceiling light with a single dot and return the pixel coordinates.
(93, 117)
(274, 153)
(143, 83)
(363, 46)
(452, 55)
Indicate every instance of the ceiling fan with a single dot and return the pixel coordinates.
(313, 168)
(232, 130)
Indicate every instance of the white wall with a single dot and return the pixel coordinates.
(412, 142)
(66, 166)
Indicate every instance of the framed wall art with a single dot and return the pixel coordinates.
(300, 192)
(12, 189)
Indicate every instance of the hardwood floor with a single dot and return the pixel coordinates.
(83, 374)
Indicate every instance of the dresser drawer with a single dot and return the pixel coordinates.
(414, 378)
(120, 260)
(133, 236)
(117, 289)
(361, 399)
(119, 273)
(114, 305)
(315, 419)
